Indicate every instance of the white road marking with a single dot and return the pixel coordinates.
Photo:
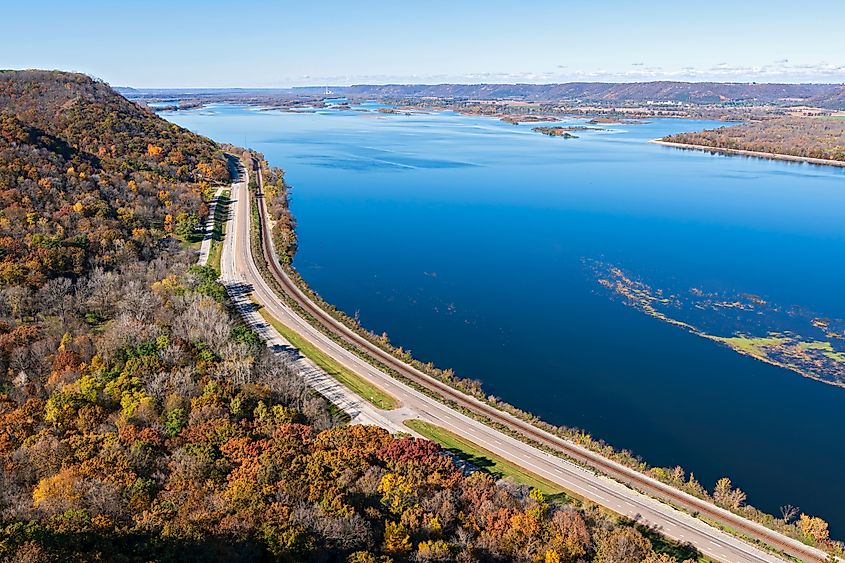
(567, 475)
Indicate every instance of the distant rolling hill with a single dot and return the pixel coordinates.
(691, 92)
(824, 95)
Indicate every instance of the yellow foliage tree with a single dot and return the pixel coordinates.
(662, 558)
(366, 557)
(56, 489)
(396, 539)
(397, 492)
(814, 528)
(205, 170)
(431, 550)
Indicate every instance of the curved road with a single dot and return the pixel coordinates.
(239, 270)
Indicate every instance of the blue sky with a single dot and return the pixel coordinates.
(211, 43)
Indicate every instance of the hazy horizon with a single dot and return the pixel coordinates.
(376, 84)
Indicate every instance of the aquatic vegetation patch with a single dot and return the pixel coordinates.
(791, 337)
(752, 346)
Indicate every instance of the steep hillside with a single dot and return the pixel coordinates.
(88, 178)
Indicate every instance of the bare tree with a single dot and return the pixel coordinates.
(41, 355)
(55, 298)
(234, 369)
(98, 291)
(278, 372)
(156, 385)
(346, 533)
(182, 383)
(139, 302)
(18, 300)
(204, 321)
(789, 513)
(126, 330)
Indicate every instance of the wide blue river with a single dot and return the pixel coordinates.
(473, 243)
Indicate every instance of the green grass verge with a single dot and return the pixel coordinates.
(221, 212)
(345, 376)
(499, 467)
(192, 241)
(487, 460)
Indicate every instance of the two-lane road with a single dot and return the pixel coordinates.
(239, 268)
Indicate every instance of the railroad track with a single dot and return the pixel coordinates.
(580, 454)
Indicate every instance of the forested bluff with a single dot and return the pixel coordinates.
(141, 420)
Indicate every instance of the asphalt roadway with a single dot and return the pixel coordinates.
(242, 277)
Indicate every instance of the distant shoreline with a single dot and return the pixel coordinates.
(757, 154)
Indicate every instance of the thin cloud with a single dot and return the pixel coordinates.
(780, 71)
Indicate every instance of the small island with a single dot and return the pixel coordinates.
(392, 111)
(517, 119)
(615, 121)
(556, 132)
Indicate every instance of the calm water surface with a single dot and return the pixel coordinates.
(465, 239)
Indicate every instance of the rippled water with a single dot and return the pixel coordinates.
(466, 240)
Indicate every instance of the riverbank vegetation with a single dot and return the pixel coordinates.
(277, 193)
(807, 137)
(733, 499)
(614, 121)
(675, 476)
(517, 119)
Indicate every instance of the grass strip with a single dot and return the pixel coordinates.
(347, 377)
(495, 465)
(488, 461)
(218, 233)
(262, 265)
